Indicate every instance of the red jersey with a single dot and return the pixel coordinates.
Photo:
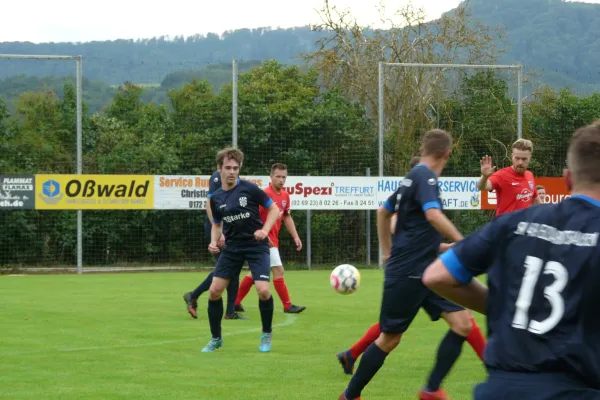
(513, 191)
(282, 199)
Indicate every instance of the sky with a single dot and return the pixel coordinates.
(68, 21)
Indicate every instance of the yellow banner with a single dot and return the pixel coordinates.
(94, 192)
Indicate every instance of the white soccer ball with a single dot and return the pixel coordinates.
(345, 279)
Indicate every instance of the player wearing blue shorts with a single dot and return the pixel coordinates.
(543, 294)
(235, 211)
(191, 298)
(416, 244)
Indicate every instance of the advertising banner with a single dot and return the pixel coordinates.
(17, 192)
(94, 192)
(556, 191)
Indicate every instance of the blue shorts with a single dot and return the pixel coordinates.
(231, 261)
(403, 296)
(501, 385)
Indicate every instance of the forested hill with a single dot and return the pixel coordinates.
(558, 39)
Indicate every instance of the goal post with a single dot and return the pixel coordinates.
(476, 102)
(79, 110)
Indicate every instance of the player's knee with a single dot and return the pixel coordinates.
(277, 272)
(388, 341)
(264, 292)
(461, 323)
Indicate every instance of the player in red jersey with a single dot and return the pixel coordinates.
(348, 357)
(514, 185)
(281, 197)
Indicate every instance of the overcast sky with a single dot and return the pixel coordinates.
(69, 21)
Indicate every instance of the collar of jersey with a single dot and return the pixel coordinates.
(237, 183)
(588, 199)
(423, 165)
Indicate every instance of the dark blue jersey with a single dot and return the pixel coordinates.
(543, 266)
(238, 210)
(213, 185)
(415, 243)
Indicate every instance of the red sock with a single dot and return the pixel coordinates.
(244, 289)
(359, 347)
(476, 339)
(282, 291)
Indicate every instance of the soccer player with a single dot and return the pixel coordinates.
(191, 298)
(235, 211)
(541, 193)
(348, 357)
(281, 197)
(514, 185)
(543, 272)
(416, 243)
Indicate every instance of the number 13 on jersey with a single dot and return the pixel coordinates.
(552, 293)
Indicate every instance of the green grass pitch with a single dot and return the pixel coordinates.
(128, 336)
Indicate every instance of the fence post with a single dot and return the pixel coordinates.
(368, 228)
(234, 104)
(79, 99)
(308, 238)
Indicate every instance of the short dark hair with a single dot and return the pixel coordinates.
(436, 143)
(413, 161)
(280, 166)
(231, 153)
(583, 157)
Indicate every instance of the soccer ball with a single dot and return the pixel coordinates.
(345, 279)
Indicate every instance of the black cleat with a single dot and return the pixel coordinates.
(235, 316)
(295, 309)
(239, 308)
(190, 304)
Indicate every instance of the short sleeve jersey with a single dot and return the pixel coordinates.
(213, 185)
(238, 210)
(282, 199)
(513, 191)
(543, 266)
(415, 242)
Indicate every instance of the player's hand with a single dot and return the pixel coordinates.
(487, 168)
(298, 243)
(214, 248)
(221, 241)
(260, 235)
(445, 246)
(385, 258)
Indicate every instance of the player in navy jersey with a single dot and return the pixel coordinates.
(542, 299)
(235, 211)
(191, 298)
(416, 243)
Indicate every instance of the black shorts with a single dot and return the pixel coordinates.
(502, 385)
(402, 298)
(231, 261)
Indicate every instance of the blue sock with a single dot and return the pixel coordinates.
(447, 354)
(203, 287)
(372, 359)
(232, 292)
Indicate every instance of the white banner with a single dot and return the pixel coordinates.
(174, 192)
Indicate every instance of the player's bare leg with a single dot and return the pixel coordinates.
(215, 313)
(448, 352)
(282, 291)
(265, 305)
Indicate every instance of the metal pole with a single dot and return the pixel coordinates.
(308, 239)
(234, 105)
(79, 99)
(368, 228)
(520, 103)
(469, 66)
(380, 132)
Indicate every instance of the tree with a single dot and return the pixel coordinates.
(348, 56)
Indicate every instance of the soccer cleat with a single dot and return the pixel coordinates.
(343, 397)
(213, 345)
(294, 309)
(437, 395)
(235, 316)
(265, 342)
(345, 358)
(239, 308)
(190, 304)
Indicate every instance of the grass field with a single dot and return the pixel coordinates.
(127, 336)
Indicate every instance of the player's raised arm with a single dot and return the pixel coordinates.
(451, 275)
(487, 170)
